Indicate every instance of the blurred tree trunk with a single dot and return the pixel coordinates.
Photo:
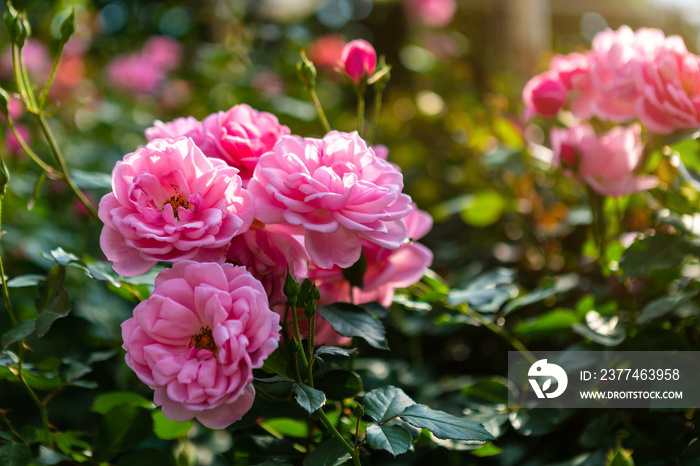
(529, 33)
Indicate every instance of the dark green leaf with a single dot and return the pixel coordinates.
(353, 321)
(7, 358)
(108, 401)
(15, 334)
(48, 456)
(444, 425)
(43, 381)
(146, 457)
(375, 308)
(15, 454)
(277, 362)
(394, 439)
(339, 384)
(122, 429)
(560, 284)
(383, 403)
(53, 301)
(661, 251)
(329, 453)
(169, 430)
(355, 274)
(611, 339)
(663, 306)
(334, 351)
(487, 292)
(25, 280)
(308, 398)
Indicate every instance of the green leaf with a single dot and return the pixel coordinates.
(108, 401)
(53, 301)
(7, 358)
(381, 404)
(339, 384)
(444, 425)
(169, 430)
(16, 333)
(355, 274)
(277, 362)
(663, 306)
(611, 339)
(487, 292)
(121, 429)
(287, 427)
(394, 439)
(559, 285)
(15, 454)
(146, 457)
(25, 280)
(353, 321)
(71, 444)
(308, 398)
(329, 453)
(551, 324)
(486, 450)
(47, 456)
(661, 251)
(334, 351)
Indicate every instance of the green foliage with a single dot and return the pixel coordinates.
(354, 321)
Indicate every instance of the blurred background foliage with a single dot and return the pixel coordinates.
(451, 120)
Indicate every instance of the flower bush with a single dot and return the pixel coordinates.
(320, 249)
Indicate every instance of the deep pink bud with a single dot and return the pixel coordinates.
(358, 59)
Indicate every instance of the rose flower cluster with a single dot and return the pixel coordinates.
(639, 77)
(234, 202)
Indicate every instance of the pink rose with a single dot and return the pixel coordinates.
(605, 163)
(544, 94)
(433, 13)
(669, 89)
(171, 203)
(358, 59)
(240, 136)
(35, 57)
(616, 55)
(135, 74)
(325, 52)
(196, 340)
(387, 270)
(268, 251)
(189, 127)
(164, 51)
(338, 189)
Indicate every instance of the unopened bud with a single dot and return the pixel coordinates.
(291, 287)
(68, 27)
(306, 71)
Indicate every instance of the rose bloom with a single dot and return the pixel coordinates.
(669, 91)
(164, 51)
(240, 136)
(185, 126)
(169, 202)
(325, 52)
(606, 163)
(268, 251)
(544, 94)
(433, 13)
(358, 59)
(338, 189)
(616, 56)
(135, 74)
(197, 339)
(387, 270)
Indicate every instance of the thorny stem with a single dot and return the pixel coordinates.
(353, 453)
(32, 155)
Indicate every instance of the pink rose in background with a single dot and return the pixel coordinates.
(358, 59)
(325, 52)
(169, 202)
(669, 88)
(240, 136)
(545, 94)
(164, 51)
(605, 163)
(387, 270)
(198, 337)
(268, 251)
(433, 13)
(35, 58)
(338, 189)
(135, 74)
(11, 142)
(616, 55)
(574, 72)
(186, 126)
